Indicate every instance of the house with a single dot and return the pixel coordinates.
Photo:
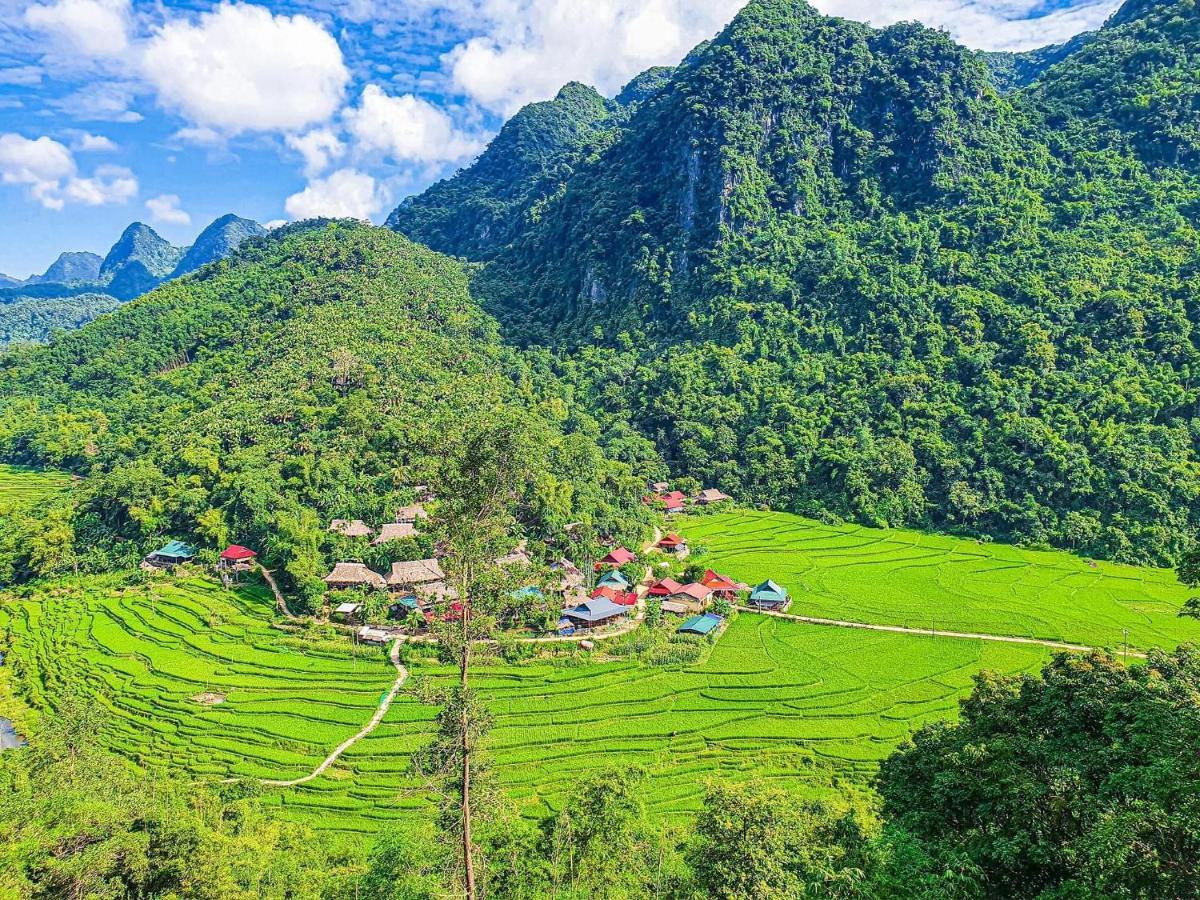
(369, 635)
(770, 595)
(570, 576)
(675, 607)
(595, 613)
(709, 496)
(394, 531)
(617, 596)
(406, 576)
(664, 588)
(355, 529)
(614, 579)
(346, 575)
(701, 625)
(348, 610)
(659, 486)
(518, 557)
(672, 543)
(693, 597)
(723, 587)
(411, 514)
(170, 555)
(237, 559)
(618, 557)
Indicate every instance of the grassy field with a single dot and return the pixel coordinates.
(814, 708)
(20, 485)
(898, 577)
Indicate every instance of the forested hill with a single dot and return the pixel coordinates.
(832, 268)
(318, 374)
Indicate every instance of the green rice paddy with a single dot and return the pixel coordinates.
(19, 485)
(897, 577)
(810, 707)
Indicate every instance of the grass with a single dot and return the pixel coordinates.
(23, 486)
(898, 577)
(812, 708)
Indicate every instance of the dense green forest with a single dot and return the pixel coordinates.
(34, 320)
(834, 269)
(318, 375)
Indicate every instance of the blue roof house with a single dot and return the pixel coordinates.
(770, 595)
(172, 554)
(701, 625)
(595, 613)
(614, 580)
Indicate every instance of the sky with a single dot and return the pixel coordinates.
(175, 112)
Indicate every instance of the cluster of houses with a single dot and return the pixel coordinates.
(674, 502)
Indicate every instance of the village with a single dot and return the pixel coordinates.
(579, 602)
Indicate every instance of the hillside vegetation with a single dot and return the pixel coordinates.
(830, 268)
(319, 376)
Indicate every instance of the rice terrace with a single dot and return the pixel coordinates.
(200, 680)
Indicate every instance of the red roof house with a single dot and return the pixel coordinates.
(665, 588)
(671, 542)
(720, 584)
(236, 553)
(617, 557)
(619, 597)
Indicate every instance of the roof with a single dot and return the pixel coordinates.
(530, 592)
(395, 531)
(704, 624)
(694, 591)
(769, 590)
(356, 528)
(614, 579)
(354, 573)
(671, 540)
(665, 587)
(674, 497)
(719, 582)
(712, 495)
(373, 635)
(420, 571)
(409, 601)
(518, 556)
(674, 606)
(348, 609)
(412, 513)
(619, 557)
(595, 611)
(237, 553)
(176, 549)
(436, 591)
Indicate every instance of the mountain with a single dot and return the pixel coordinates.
(831, 269)
(9, 281)
(69, 268)
(217, 241)
(312, 377)
(138, 262)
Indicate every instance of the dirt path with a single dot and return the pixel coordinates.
(384, 705)
(280, 603)
(931, 632)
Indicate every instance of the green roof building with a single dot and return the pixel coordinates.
(770, 595)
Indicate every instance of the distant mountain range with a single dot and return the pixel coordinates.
(138, 262)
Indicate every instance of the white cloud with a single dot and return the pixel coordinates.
(241, 68)
(319, 147)
(165, 209)
(95, 28)
(101, 102)
(406, 129)
(346, 193)
(84, 142)
(274, 223)
(47, 169)
(25, 76)
(199, 137)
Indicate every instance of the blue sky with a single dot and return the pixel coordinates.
(174, 113)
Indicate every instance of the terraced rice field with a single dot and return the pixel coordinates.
(897, 577)
(21, 485)
(814, 708)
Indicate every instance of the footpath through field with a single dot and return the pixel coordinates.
(931, 632)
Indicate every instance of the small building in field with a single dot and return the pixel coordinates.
(347, 611)
(394, 531)
(369, 635)
(701, 625)
(171, 554)
(694, 597)
(672, 543)
(356, 528)
(618, 557)
(595, 613)
(614, 579)
(665, 587)
(411, 514)
(770, 596)
(347, 575)
(709, 496)
(237, 558)
(407, 576)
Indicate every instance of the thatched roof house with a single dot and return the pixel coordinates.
(417, 572)
(356, 528)
(412, 513)
(351, 575)
(394, 531)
